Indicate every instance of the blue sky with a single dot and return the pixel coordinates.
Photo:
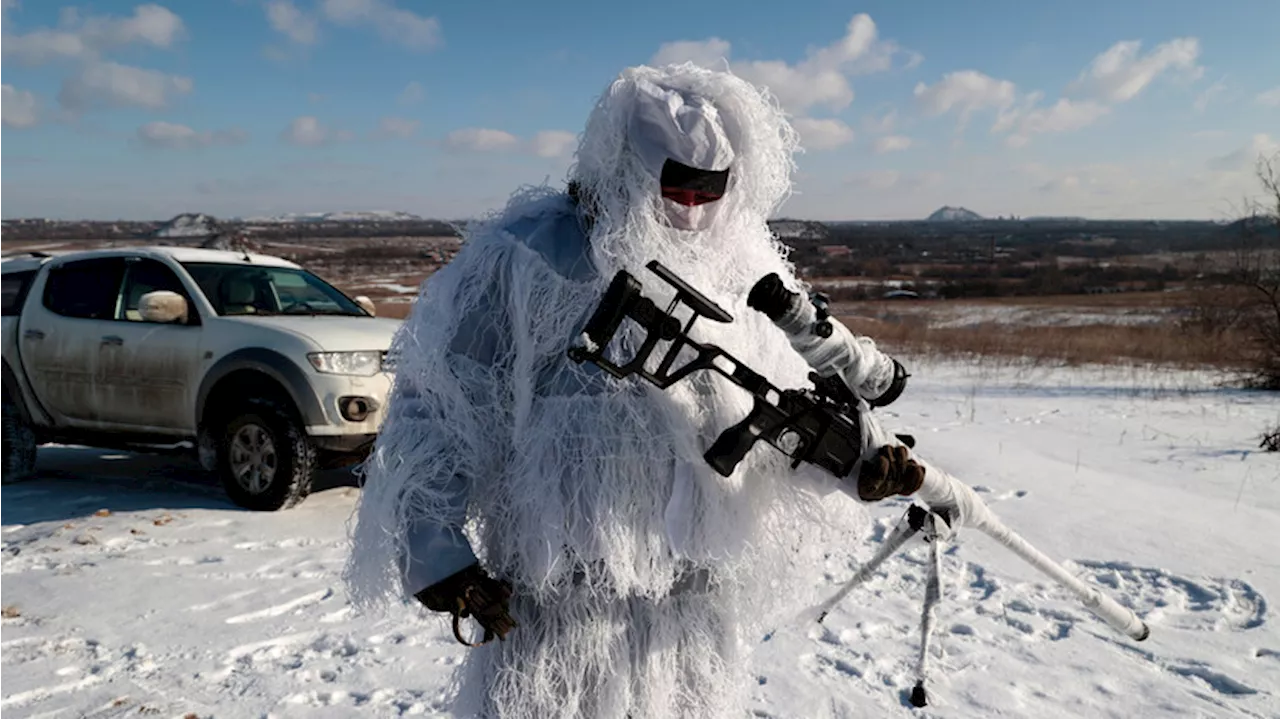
(1142, 108)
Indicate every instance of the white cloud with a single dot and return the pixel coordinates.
(180, 137)
(881, 124)
(875, 179)
(1244, 158)
(286, 19)
(151, 24)
(1063, 116)
(922, 180)
(404, 27)
(109, 84)
(412, 94)
(1115, 76)
(892, 143)
(90, 37)
(479, 139)
(546, 144)
(710, 53)
(1119, 74)
(1270, 98)
(552, 143)
(1208, 94)
(1097, 180)
(1065, 183)
(396, 127)
(880, 180)
(87, 39)
(966, 91)
(824, 134)
(821, 79)
(799, 88)
(308, 131)
(18, 107)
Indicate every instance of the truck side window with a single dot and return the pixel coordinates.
(15, 286)
(87, 289)
(147, 275)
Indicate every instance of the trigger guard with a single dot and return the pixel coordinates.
(457, 633)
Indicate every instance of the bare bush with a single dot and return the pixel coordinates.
(1271, 439)
(1258, 269)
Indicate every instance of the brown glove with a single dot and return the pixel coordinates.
(472, 593)
(891, 471)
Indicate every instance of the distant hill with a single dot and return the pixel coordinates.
(954, 214)
(788, 229)
(358, 216)
(1253, 226)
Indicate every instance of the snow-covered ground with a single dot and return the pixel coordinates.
(131, 587)
(958, 314)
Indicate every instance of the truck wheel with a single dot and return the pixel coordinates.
(265, 459)
(19, 444)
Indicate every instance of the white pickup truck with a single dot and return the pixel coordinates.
(266, 371)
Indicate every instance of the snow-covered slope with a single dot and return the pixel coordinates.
(188, 224)
(133, 589)
(954, 214)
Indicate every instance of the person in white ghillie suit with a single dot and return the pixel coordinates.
(570, 512)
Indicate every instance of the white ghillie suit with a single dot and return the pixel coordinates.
(639, 573)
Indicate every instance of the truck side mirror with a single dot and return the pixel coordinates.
(367, 305)
(163, 306)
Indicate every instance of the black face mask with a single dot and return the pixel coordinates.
(690, 186)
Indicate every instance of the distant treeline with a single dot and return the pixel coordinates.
(869, 249)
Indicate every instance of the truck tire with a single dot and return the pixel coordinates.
(265, 459)
(19, 444)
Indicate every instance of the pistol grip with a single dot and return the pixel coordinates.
(733, 444)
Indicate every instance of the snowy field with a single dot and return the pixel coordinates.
(131, 587)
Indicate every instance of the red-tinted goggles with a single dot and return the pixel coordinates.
(690, 198)
(690, 186)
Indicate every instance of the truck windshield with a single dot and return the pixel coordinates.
(256, 290)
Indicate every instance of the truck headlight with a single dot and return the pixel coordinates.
(363, 364)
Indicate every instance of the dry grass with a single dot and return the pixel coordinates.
(1171, 343)
(1162, 344)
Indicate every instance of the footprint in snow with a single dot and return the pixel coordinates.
(1202, 673)
(380, 702)
(72, 664)
(1165, 599)
(282, 608)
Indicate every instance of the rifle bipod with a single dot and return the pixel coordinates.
(937, 529)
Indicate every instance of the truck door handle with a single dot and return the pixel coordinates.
(33, 335)
(113, 340)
